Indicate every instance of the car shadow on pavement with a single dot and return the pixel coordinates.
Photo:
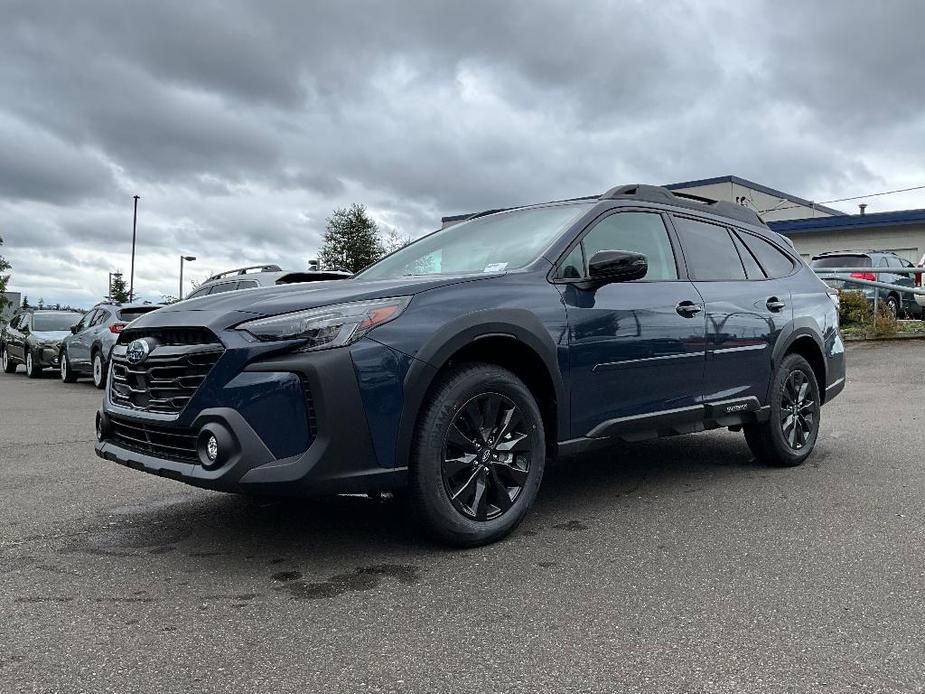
(241, 530)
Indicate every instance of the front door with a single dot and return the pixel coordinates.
(636, 349)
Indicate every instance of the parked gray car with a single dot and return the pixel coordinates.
(85, 352)
(33, 337)
(899, 303)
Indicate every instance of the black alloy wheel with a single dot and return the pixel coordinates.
(487, 453)
(797, 410)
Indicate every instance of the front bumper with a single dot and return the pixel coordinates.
(45, 356)
(247, 414)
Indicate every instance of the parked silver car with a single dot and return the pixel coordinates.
(262, 276)
(86, 351)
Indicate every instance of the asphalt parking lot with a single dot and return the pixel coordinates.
(677, 565)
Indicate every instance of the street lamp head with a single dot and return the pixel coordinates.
(116, 274)
(189, 257)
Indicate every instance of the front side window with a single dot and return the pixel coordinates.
(221, 288)
(85, 321)
(775, 262)
(709, 251)
(638, 232)
(247, 284)
(102, 315)
(494, 243)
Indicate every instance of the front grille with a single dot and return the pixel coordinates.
(172, 444)
(166, 380)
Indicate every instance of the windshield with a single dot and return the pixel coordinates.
(842, 261)
(494, 243)
(54, 322)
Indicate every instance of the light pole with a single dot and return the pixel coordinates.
(131, 277)
(111, 275)
(187, 258)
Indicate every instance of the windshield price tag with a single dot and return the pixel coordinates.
(495, 267)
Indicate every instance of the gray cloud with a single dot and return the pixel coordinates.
(242, 124)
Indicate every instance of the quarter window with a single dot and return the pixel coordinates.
(709, 251)
(775, 262)
(639, 232)
(753, 270)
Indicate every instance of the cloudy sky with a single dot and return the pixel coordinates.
(243, 124)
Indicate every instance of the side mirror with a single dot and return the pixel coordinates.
(74, 329)
(616, 266)
(24, 330)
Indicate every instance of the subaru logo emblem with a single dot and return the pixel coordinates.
(137, 351)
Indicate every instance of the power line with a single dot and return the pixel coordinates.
(855, 197)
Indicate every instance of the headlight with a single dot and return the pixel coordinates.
(328, 326)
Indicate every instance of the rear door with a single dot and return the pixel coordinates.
(635, 348)
(14, 336)
(746, 307)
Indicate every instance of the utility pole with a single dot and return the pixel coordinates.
(131, 277)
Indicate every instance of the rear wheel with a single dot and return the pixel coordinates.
(99, 372)
(67, 374)
(32, 370)
(893, 305)
(788, 437)
(8, 365)
(478, 455)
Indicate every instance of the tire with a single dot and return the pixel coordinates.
(99, 370)
(479, 431)
(67, 373)
(774, 442)
(9, 366)
(31, 370)
(894, 305)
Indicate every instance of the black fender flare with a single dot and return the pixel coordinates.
(793, 331)
(513, 323)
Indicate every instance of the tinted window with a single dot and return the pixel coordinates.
(640, 232)
(775, 262)
(199, 292)
(54, 322)
(709, 251)
(247, 284)
(85, 321)
(752, 269)
(130, 314)
(221, 288)
(842, 261)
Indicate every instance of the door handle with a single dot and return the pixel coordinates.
(688, 309)
(775, 304)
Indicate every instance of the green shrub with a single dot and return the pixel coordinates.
(855, 309)
(885, 324)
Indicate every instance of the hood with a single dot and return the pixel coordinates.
(50, 335)
(229, 308)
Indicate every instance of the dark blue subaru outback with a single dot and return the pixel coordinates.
(459, 365)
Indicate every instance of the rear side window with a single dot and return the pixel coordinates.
(221, 288)
(752, 269)
(639, 232)
(709, 251)
(101, 317)
(775, 262)
(247, 284)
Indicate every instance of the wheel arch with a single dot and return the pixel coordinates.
(512, 338)
(803, 338)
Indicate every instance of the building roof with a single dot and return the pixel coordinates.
(848, 221)
(754, 186)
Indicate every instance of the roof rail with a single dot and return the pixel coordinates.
(244, 271)
(723, 208)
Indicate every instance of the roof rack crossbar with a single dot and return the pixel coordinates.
(243, 271)
(723, 208)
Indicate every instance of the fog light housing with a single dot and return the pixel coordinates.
(215, 445)
(102, 426)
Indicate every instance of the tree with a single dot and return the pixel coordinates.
(25, 301)
(118, 292)
(351, 240)
(41, 303)
(4, 266)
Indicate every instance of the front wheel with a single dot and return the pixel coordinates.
(32, 371)
(478, 455)
(99, 371)
(67, 373)
(788, 437)
(8, 365)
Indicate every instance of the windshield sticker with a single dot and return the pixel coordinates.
(495, 267)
